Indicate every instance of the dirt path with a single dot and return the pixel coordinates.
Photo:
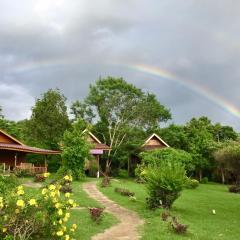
(129, 220)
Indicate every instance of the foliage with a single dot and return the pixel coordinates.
(39, 178)
(229, 158)
(165, 215)
(7, 183)
(204, 180)
(154, 157)
(119, 105)
(178, 227)
(191, 183)
(234, 189)
(123, 173)
(40, 216)
(124, 192)
(49, 120)
(165, 181)
(76, 150)
(96, 214)
(174, 135)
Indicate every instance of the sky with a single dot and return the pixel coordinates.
(186, 52)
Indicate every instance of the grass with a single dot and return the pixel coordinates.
(86, 227)
(194, 208)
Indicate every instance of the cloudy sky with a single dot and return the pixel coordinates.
(187, 52)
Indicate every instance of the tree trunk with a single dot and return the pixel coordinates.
(223, 176)
(107, 168)
(200, 175)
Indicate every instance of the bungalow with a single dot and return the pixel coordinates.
(13, 154)
(97, 150)
(151, 143)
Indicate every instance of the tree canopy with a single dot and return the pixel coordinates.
(48, 121)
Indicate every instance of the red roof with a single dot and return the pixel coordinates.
(26, 149)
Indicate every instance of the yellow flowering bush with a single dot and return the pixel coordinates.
(43, 216)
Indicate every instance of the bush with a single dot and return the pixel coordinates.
(204, 180)
(155, 157)
(40, 217)
(96, 214)
(39, 178)
(234, 189)
(164, 183)
(178, 227)
(22, 173)
(165, 215)
(124, 192)
(123, 173)
(7, 183)
(191, 183)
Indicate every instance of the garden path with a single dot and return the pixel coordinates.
(129, 221)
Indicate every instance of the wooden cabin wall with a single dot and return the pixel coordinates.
(8, 157)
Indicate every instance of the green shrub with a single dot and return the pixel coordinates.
(124, 192)
(191, 183)
(155, 157)
(123, 173)
(204, 180)
(164, 183)
(7, 183)
(42, 216)
(234, 189)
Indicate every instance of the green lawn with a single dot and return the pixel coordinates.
(86, 227)
(193, 207)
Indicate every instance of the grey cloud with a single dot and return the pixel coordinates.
(69, 44)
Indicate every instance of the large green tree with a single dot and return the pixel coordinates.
(49, 120)
(76, 150)
(228, 158)
(118, 105)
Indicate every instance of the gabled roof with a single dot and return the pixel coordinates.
(11, 137)
(154, 135)
(17, 146)
(96, 142)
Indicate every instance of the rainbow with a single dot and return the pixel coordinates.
(192, 85)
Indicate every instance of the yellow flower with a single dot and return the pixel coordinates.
(64, 228)
(54, 200)
(44, 191)
(1, 205)
(46, 175)
(60, 233)
(71, 201)
(60, 212)
(4, 230)
(17, 211)
(67, 215)
(32, 202)
(74, 226)
(67, 237)
(67, 195)
(60, 221)
(20, 203)
(58, 205)
(20, 192)
(74, 205)
(53, 194)
(20, 187)
(65, 219)
(67, 178)
(52, 187)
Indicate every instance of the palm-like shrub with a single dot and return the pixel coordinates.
(164, 183)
